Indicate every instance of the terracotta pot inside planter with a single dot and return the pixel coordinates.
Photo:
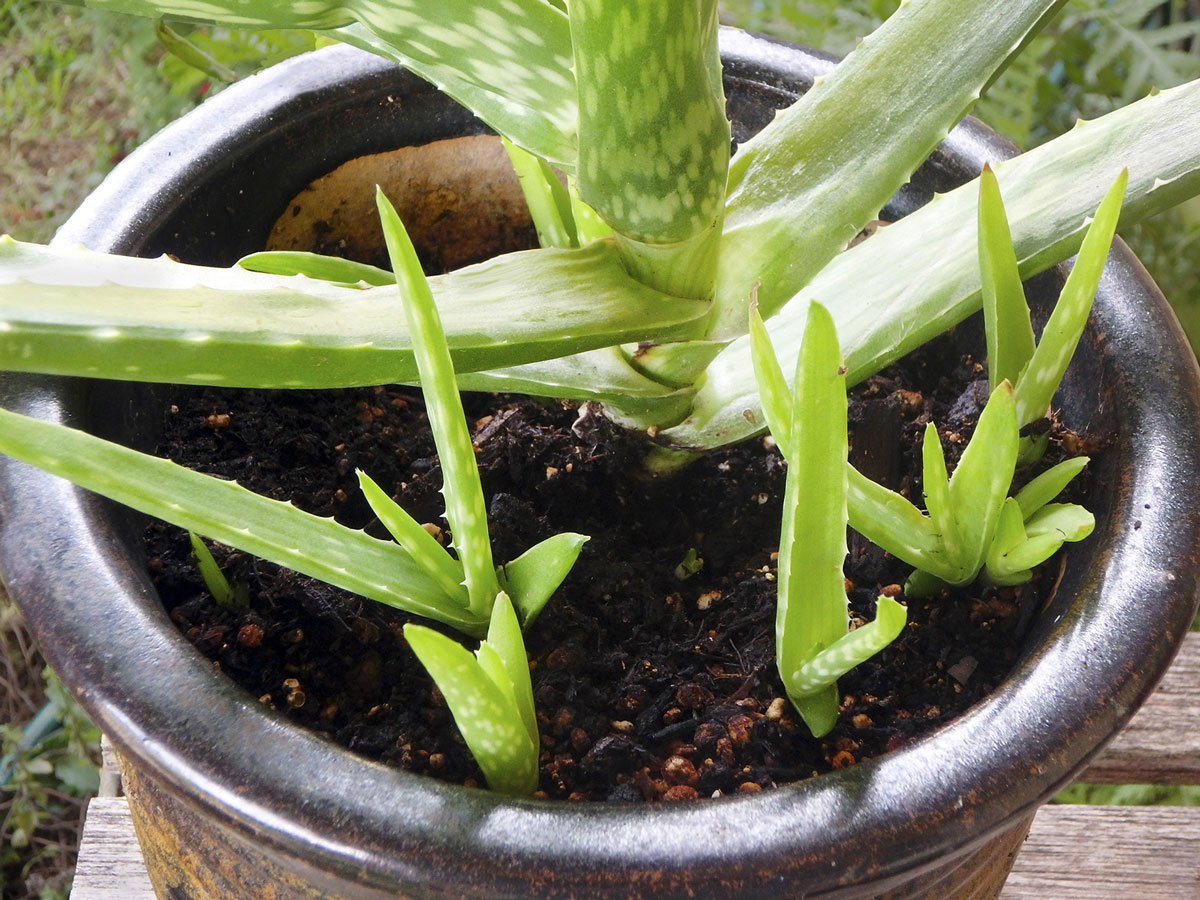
(231, 801)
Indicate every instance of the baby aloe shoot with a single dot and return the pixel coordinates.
(1036, 370)
(214, 579)
(490, 695)
(813, 646)
(533, 577)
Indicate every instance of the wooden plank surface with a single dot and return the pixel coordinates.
(1109, 853)
(1072, 853)
(110, 863)
(1161, 745)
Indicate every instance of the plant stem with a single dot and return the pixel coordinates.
(653, 137)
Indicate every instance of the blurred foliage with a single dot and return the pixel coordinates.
(49, 755)
(1129, 795)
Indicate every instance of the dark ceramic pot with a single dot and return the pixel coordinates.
(231, 801)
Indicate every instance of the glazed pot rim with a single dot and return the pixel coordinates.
(1133, 604)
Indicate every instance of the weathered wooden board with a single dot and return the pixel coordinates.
(1109, 853)
(110, 863)
(1072, 853)
(1161, 745)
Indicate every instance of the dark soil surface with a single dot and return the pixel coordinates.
(650, 683)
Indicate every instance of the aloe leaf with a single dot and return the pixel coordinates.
(548, 201)
(772, 386)
(1012, 561)
(886, 518)
(343, 272)
(1041, 377)
(1068, 520)
(505, 640)
(588, 224)
(813, 610)
(1049, 484)
(914, 279)
(653, 136)
(937, 493)
(417, 542)
(512, 68)
(270, 529)
(161, 321)
(179, 46)
(601, 375)
(1009, 333)
(820, 171)
(485, 714)
(535, 575)
(851, 649)
(214, 579)
(983, 476)
(465, 509)
(1001, 567)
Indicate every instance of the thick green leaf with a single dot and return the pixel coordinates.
(1019, 547)
(342, 272)
(487, 716)
(1048, 485)
(826, 166)
(604, 375)
(813, 610)
(161, 321)
(510, 65)
(548, 201)
(512, 69)
(226, 512)
(982, 478)
(773, 388)
(214, 579)
(937, 493)
(891, 521)
(504, 638)
(916, 278)
(850, 650)
(535, 575)
(1010, 534)
(1068, 520)
(1005, 313)
(653, 136)
(1041, 377)
(465, 508)
(416, 541)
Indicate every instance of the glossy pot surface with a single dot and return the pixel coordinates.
(239, 791)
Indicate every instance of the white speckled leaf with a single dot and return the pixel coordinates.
(226, 512)
(917, 277)
(485, 715)
(162, 321)
(508, 61)
(461, 488)
(653, 137)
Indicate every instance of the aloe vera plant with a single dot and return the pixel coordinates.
(653, 243)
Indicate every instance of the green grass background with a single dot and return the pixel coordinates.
(79, 90)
